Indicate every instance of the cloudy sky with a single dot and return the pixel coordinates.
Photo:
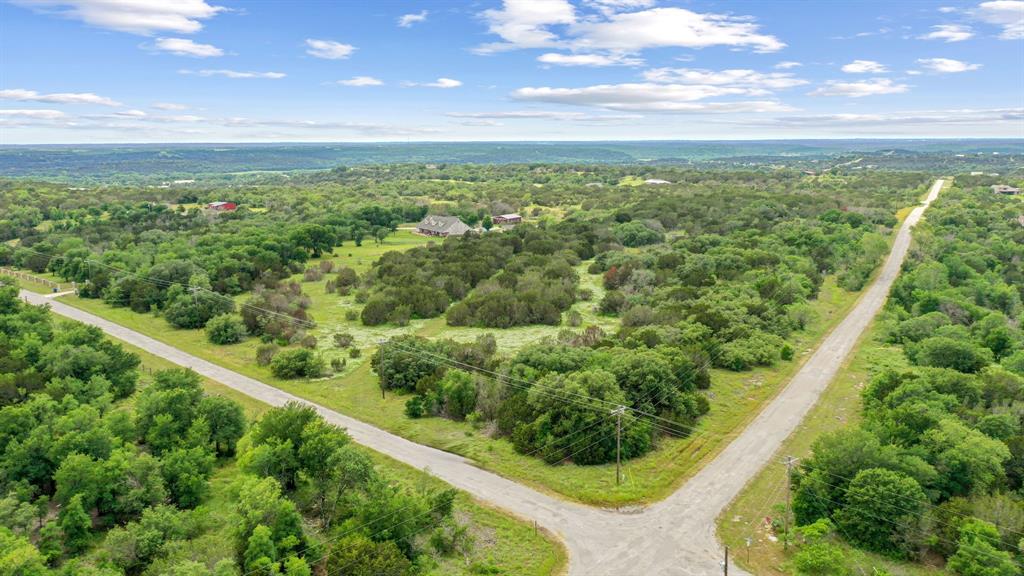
(81, 71)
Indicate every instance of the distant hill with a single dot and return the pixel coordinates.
(149, 161)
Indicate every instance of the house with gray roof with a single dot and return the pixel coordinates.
(442, 226)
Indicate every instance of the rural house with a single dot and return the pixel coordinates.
(222, 206)
(442, 226)
(1004, 189)
(507, 219)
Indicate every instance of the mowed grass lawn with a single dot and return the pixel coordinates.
(502, 543)
(736, 397)
(765, 496)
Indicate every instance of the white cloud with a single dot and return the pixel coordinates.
(133, 16)
(407, 20)
(949, 33)
(34, 114)
(864, 67)
(671, 27)
(524, 24)
(544, 115)
(947, 9)
(956, 116)
(946, 65)
(860, 88)
(57, 98)
(756, 82)
(169, 106)
(361, 81)
(234, 74)
(787, 65)
(557, 59)
(648, 97)
(328, 49)
(131, 113)
(555, 24)
(186, 47)
(439, 83)
(1009, 14)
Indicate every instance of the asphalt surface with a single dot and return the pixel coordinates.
(674, 537)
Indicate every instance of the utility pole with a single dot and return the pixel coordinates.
(383, 346)
(618, 412)
(790, 461)
(725, 565)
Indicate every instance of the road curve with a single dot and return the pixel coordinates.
(675, 537)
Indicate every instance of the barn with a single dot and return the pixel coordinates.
(222, 206)
(442, 226)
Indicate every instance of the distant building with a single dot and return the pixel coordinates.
(656, 182)
(222, 206)
(442, 226)
(506, 219)
(1004, 189)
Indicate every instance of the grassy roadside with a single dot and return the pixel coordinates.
(736, 399)
(838, 407)
(502, 542)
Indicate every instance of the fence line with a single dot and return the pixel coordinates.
(30, 277)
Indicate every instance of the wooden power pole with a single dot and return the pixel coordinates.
(790, 461)
(383, 346)
(618, 412)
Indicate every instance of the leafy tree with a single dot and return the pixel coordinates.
(882, 510)
(186, 472)
(978, 554)
(75, 524)
(18, 557)
(260, 553)
(226, 421)
(357, 555)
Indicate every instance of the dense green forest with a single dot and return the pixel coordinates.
(105, 473)
(937, 464)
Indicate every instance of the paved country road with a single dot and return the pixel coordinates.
(675, 537)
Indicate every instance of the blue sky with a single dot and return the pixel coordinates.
(81, 71)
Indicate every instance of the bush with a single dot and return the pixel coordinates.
(943, 352)
(354, 352)
(265, 353)
(351, 315)
(225, 329)
(297, 363)
(308, 342)
(343, 339)
(312, 274)
(613, 302)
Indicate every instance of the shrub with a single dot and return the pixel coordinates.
(343, 339)
(312, 274)
(308, 342)
(351, 315)
(354, 352)
(225, 329)
(613, 302)
(297, 363)
(944, 352)
(265, 353)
